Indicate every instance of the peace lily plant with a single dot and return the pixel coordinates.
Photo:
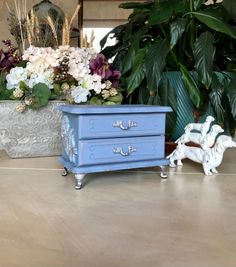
(188, 36)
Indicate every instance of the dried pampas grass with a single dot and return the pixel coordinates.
(67, 27)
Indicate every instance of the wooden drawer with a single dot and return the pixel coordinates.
(121, 125)
(107, 151)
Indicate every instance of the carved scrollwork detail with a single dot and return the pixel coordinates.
(68, 139)
(119, 150)
(120, 124)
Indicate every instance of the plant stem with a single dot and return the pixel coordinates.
(191, 5)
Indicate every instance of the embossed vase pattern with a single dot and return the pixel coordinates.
(32, 133)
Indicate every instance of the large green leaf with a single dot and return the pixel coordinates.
(155, 62)
(134, 40)
(110, 51)
(167, 96)
(232, 97)
(177, 28)
(137, 74)
(162, 11)
(42, 92)
(197, 4)
(213, 21)
(6, 94)
(216, 98)
(204, 52)
(231, 7)
(191, 87)
(142, 94)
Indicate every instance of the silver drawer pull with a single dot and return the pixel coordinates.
(120, 124)
(119, 150)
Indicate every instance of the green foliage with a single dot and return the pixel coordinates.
(41, 93)
(95, 101)
(4, 93)
(177, 28)
(112, 100)
(163, 11)
(167, 97)
(117, 99)
(155, 62)
(215, 23)
(23, 86)
(179, 35)
(191, 87)
(204, 52)
(137, 72)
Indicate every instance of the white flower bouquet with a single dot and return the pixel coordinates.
(77, 75)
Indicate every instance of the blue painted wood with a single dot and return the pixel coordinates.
(108, 151)
(116, 109)
(112, 167)
(121, 125)
(107, 138)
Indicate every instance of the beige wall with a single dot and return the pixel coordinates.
(104, 13)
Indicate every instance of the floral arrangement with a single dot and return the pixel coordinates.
(77, 75)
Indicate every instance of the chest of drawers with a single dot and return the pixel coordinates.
(107, 138)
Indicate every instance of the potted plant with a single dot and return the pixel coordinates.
(30, 122)
(178, 53)
(34, 80)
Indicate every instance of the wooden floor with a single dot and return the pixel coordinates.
(119, 219)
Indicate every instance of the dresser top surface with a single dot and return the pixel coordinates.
(92, 109)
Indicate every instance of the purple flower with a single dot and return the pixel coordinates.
(7, 58)
(103, 68)
(6, 61)
(100, 66)
(115, 77)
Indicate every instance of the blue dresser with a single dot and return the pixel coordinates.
(107, 138)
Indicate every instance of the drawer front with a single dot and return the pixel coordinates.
(121, 125)
(108, 151)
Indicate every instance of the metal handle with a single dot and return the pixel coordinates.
(120, 124)
(119, 150)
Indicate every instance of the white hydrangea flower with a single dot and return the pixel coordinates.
(38, 66)
(43, 77)
(78, 70)
(80, 94)
(18, 93)
(31, 52)
(48, 54)
(97, 84)
(15, 76)
(79, 61)
(87, 82)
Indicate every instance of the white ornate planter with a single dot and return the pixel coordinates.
(32, 133)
